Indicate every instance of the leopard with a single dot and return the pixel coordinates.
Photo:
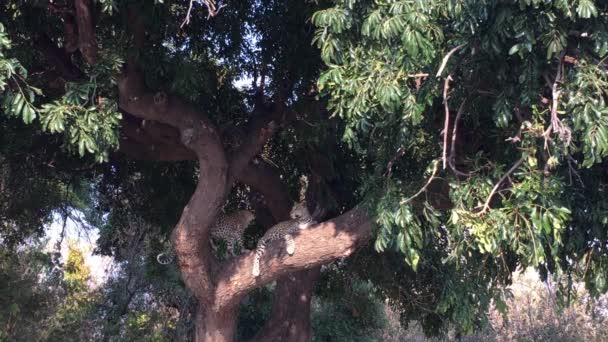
(231, 228)
(300, 219)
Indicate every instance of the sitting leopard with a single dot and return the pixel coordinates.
(301, 219)
(231, 228)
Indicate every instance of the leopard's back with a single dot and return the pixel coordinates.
(300, 219)
(281, 229)
(231, 229)
(235, 224)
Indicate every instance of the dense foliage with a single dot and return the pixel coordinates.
(475, 133)
(522, 84)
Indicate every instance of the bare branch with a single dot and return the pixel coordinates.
(423, 189)
(486, 205)
(452, 157)
(212, 10)
(447, 58)
(446, 125)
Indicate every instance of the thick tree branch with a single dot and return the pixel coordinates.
(290, 316)
(87, 42)
(266, 180)
(152, 142)
(321, 244)
(261, 129)
(198, 134)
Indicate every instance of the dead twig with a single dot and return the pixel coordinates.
(446, 126)
(486, 205)
(389, 167)
(452, 157)
(423, 189)
(447, 58)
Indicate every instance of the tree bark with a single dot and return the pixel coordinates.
(290, 316)
(211, 325)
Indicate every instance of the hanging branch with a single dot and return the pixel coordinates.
(452, 157)
(556, 125)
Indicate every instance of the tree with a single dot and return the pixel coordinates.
(464, 139)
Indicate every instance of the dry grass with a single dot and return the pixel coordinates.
(534, 316)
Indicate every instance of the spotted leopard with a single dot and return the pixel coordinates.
(300, 219)
(231, 228)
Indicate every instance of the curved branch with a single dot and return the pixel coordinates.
(426, 185)
(486, 205)
(261, 129)
(266, 180)
(445, 60)
(198, 134)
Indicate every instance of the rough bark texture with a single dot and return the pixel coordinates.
(212, 325)
(87, 42)
(318, 245)
(290, 316)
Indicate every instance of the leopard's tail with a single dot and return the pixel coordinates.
(259, 252)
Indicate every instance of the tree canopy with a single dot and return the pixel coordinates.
(446, 144)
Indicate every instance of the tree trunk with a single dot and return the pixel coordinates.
(220, 286)
(215, 326)
(290, 317)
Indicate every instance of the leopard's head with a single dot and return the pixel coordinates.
(299, 212)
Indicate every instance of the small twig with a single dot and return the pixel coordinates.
(447, 58)
(389, 167)
(419, 75)
(572, 170)
(446, 88)
(452, 157)
(423, 189)
(187, 19)
(486, 205)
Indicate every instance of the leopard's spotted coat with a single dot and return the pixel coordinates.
(300, 219)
